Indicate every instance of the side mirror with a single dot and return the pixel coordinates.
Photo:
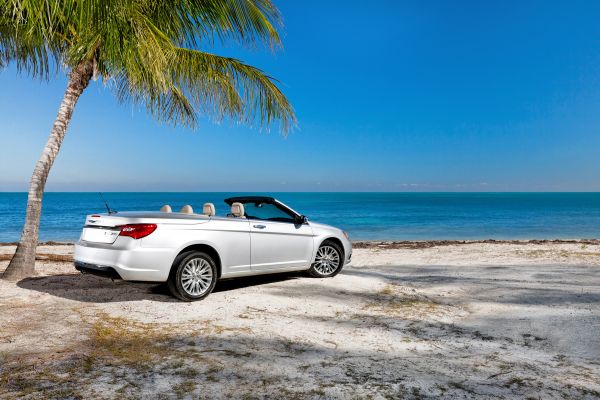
(301, 219)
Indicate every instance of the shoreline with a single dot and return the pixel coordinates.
(53, 251)
(405, 244)
(424, 244)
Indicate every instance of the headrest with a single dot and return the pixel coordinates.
(187, 209)
(166, 208)
(208, 209)
(237, 209)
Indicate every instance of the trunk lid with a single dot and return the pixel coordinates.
(101, 229)
(105, 228)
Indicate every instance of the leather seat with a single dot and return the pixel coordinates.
(208, 209)
(237, 210)
(166, 208)
(187, 209)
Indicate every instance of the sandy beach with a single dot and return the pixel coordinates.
(404, 320)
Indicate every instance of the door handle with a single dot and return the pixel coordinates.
(259, 226)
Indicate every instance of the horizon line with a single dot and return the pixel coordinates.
(307, 191)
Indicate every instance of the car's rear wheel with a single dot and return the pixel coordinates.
(328, 261)
(193, 276)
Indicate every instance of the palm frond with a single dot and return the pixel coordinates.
(147, 50)
(191, 23)
(229, 88)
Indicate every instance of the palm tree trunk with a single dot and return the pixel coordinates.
(22, 264)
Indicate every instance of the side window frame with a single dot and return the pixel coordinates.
(291, 216)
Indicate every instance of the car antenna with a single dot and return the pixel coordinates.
(106, 205)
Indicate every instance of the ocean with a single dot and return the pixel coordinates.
(365, 216)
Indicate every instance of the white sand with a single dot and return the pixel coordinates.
(457, 321)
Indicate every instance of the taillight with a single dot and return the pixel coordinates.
(137, 231)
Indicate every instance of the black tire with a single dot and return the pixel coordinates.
(185, 289)
(320, 270)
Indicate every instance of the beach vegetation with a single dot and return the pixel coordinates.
(392, 301)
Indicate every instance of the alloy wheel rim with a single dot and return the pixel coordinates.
(196, 277)
(327, 260)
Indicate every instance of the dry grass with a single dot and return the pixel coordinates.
(116, 349)
(117, 341)
(557, 253)
(184, 388)
(22, 378)
(42, 257)
(393, 302)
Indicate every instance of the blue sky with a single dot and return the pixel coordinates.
(390, 96)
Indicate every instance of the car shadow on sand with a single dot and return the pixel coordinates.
(93, 289)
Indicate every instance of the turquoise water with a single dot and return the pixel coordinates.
(366, 216)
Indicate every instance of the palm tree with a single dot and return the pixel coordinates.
(149, 52)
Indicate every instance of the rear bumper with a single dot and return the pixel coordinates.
(107, 272)
(127, 260)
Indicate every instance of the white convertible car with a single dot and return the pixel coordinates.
(259, 235)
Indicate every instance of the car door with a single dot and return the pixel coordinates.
(231, 236)
(276, 241)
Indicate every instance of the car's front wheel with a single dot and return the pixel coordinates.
(328, 261)
(193, 276)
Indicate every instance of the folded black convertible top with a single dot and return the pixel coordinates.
(249, 199)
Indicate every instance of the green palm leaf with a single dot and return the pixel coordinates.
(149, 52)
